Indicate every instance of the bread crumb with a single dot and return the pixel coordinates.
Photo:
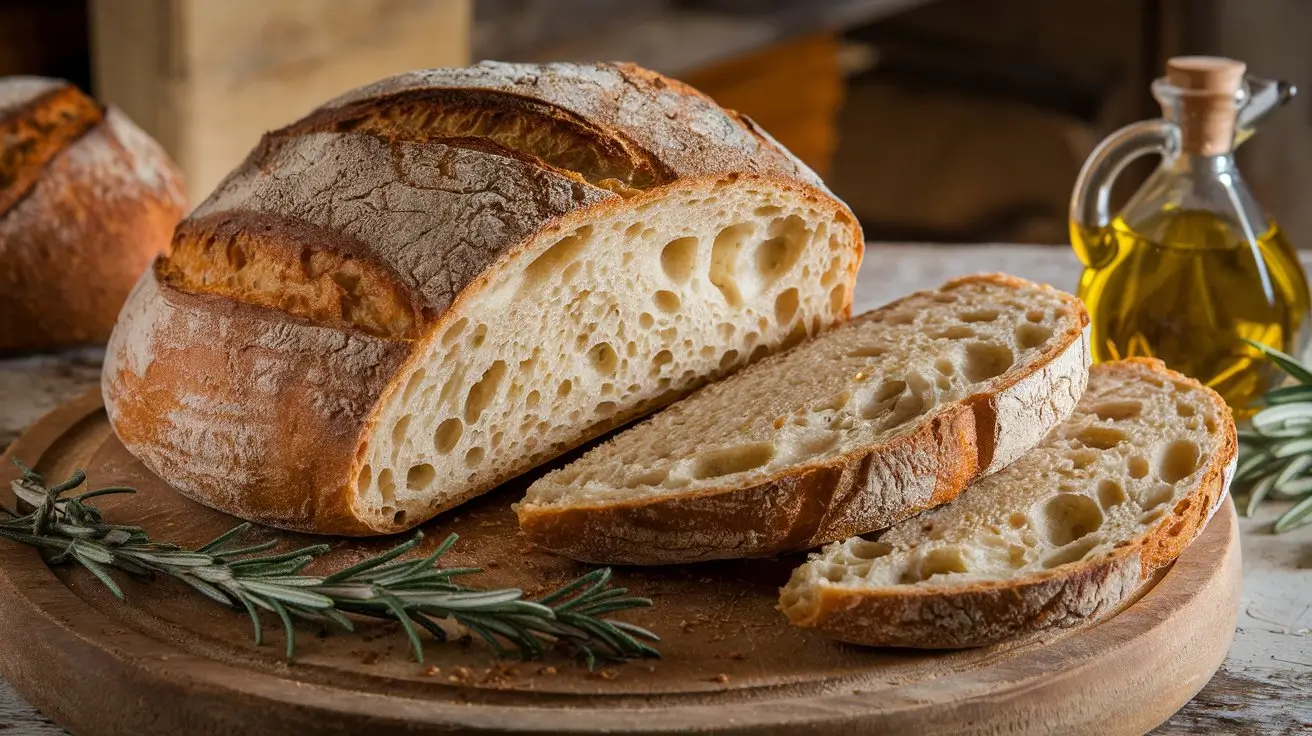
(369, 658)
(720, 678)
(739, 656)
(604, 675)
(432, 670)
(860, 376)
(779, 423)
(547, 670)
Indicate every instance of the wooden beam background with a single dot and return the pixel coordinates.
(207, 78)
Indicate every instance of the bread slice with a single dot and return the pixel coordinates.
(437, 282)
(1061, 537)
(851, 432)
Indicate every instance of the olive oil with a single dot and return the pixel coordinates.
(1187, 287)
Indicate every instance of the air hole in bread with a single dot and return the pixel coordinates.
(603, 358)
(660, 360)
(863, 549)
(412, 385)
(944, 297)
(867, 351)
(532, 399)
(1100, 438)
(1018, 521)
(979, 315)
(985, 360)
(1183, 409)
(482, 393)
(1034, 315)
(647, 478)
(1074, 552)
(364, 478)
(419, 477)
(944, 367)
(646, 321)
(1016, 556)
(837, 299)
(606, 409)
(554, 259)
(725, 250)
(667, 301)
(899, 318)
(767, 210)
(941, 561)
(1117, 411)
(954, 332)
(1178, 461)
(795, 335)
(728, 360)
(833, 403)
(564, 389)
(1137, 467)
(1067, 517)
(387, 485)
(777, 255)
(474, 457)
(732, 460)
(453, 332)
(1110, 493)
(882, 399)
(399, 430)
(1030, 336)
(447, 435)
(679, 258)
(785, 306)
(758, 352)
(1156, 495)
(833, 573)
(480, 334)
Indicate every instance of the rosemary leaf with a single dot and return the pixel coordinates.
(1298, 516)
(413, 592)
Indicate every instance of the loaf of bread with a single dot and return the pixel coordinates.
(1062, 537)
(856, 430)
(439, 281)
(87, 200)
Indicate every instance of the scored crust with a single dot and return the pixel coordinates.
(810, 503)
(425, 222)
(992, 611)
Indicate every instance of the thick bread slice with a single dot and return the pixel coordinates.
(890, 415)
(439, 281)
(1059, 538)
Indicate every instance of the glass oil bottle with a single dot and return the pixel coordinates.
(1191, 265)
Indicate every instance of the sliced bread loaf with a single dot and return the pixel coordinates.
(439, 281)
(890, 415)
(1061, 537)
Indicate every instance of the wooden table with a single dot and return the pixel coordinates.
(1265, 685)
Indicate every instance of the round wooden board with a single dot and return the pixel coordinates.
(167, 661)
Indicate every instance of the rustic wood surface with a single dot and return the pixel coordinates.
(730, 664)
(1265, 685)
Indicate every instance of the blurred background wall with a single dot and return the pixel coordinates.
(942, 120)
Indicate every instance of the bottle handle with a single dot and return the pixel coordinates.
(1090, 202)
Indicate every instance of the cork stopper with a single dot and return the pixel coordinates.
(1209, 87)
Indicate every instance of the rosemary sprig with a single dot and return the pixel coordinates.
(1275, 456)
(416, 592)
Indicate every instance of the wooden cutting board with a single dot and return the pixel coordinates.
(167, 661)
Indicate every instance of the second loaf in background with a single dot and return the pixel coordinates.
(439, 281)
